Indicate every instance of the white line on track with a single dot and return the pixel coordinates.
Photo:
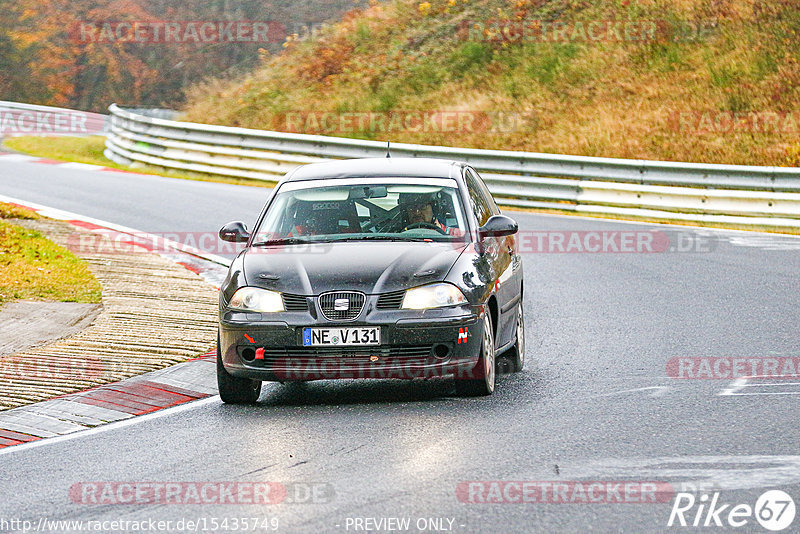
(81, 166)
(111, 426)
(18, 157)
(734, 388)
(765, 393)
(657, 391)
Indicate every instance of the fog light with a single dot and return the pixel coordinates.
(441, 351)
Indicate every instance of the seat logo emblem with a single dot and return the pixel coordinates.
(341, 304)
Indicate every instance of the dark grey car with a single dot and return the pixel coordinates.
(372, 268)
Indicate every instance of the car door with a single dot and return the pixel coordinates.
(501, 258)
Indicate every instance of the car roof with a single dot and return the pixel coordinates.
(359, 168)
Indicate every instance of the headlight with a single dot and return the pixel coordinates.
(257, 300)
(433, 296)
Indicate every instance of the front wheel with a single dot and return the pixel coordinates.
(484, 370)
(235, 390)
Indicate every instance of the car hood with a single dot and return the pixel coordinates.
(376, 267)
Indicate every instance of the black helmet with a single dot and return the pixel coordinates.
(410, 199)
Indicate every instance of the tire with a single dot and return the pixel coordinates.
(484, 370)
(235, 390)
(517, 351)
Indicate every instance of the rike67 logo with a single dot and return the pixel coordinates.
(774, 510)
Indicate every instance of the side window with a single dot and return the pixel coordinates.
(486, 193)
(479, 198)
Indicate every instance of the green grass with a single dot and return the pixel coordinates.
(33, 267)
(12, 211)
(90, 150)
(81, 149)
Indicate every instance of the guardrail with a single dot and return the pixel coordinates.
(29, 119)
(730, 194)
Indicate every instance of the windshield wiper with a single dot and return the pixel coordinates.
(378, 238)
(284, 241)
(300, 241)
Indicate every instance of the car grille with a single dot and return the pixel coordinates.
(391, 301)
(404, 354)
(295, 302)
(355, 302)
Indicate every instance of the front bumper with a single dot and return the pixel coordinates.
(414, 344)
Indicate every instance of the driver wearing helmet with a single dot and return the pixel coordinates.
(418, 212)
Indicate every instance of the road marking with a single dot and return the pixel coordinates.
(81, 166)
(17, 157)
(717, 472)
(112, 426)
(658, 391)
(734, 388)
(775, 242)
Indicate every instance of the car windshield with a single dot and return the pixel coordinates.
(399, 209)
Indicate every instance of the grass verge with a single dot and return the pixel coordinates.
(90, 150)
(33, 267)
(11, 211)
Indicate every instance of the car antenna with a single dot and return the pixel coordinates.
(388, 153)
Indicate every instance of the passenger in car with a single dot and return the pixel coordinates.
(323, 218)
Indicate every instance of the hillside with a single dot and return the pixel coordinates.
(85, 54)
(687, 80)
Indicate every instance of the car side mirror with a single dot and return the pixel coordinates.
(498, 226)
(235, 232)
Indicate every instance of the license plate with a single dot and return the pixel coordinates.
(341, 336)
